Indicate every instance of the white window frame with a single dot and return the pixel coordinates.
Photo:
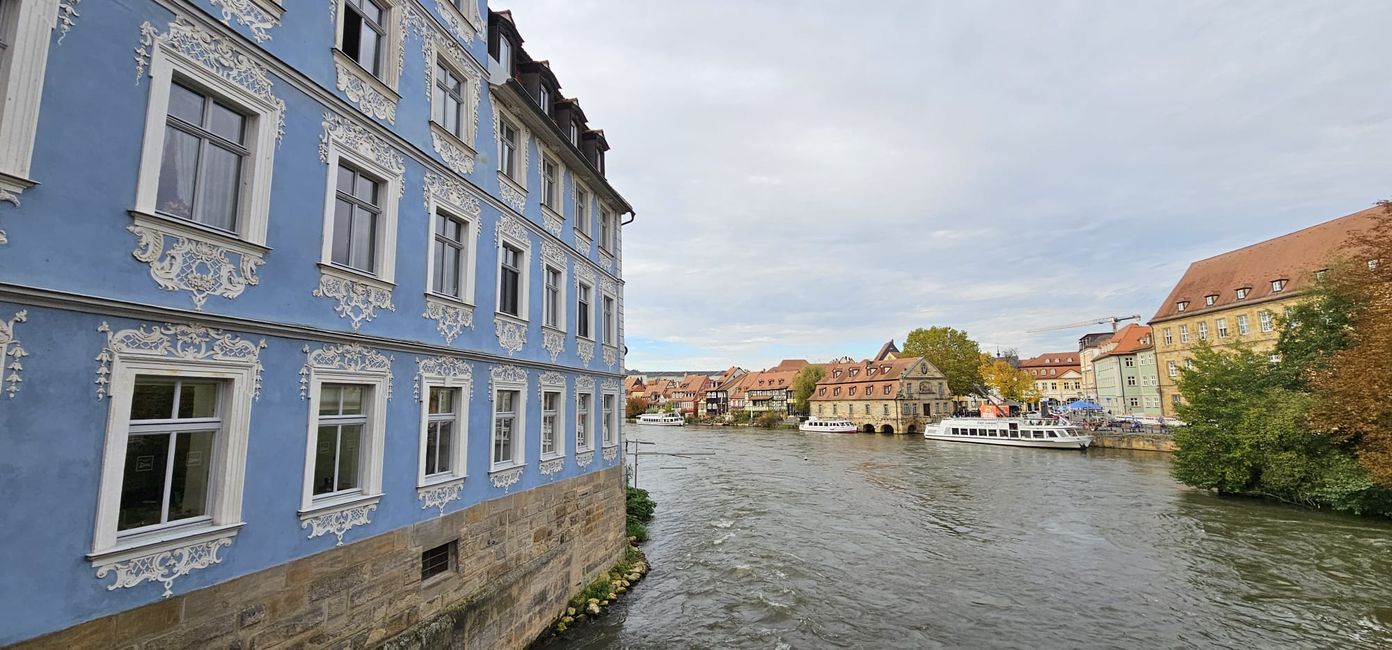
(1278, 285)
(524, 136)
(262, 124)
(225, 483)
(1169, 336)
(611, 321)
(390, 51)
(390, 194)
(611, 423)
(1220, 327)
(524, 279)
(558, 433)
(369, 488)
(608, 230)
(519, 429)
(1203, 330)
(562, 297)
(556, 204)
(1241, 293)
(1267, 320)
(459, 447)
(1243, 325)
(27, 35)
(1183, 333)
(467, 110)
(585, 386)
(470, 271)
(582, 220)
(593, 292)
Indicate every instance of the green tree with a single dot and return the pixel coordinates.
(804, 382)
(1012, 383)
(952, 351)
(635, 406)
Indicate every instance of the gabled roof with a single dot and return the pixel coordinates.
(791, 364)
(887, 351)
(869, 374)
(1293, 258)
(1128, 340)
(693, 383)
(1052, 360)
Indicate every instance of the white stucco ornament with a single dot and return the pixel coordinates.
(165, 566)
(190, 342)
(351, 357)
(361, 91)
(585, 350)
(12, 353)
(584, 459)
(512, 336)
(457, 371)
(610, 453)
(554, 343)
(357, 301)
(450, 318)
(338, 522)
(505, 479)
(553, 466)
(439, 496)
(202, 268)
(248, 13)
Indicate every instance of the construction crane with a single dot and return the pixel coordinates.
(1106, 320)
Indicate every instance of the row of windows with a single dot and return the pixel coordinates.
(993, 433)
(1266, 322)
(910, 409)
(1277, 286)
(176, 452)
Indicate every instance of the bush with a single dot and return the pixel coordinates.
(639, 508)
(769, 419)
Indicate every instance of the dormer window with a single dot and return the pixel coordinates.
(1373, 264)
(869, 372)
(1181, 305)
(544, 99)
(1242, 292)
(1278, 285)
(575, 134)
(1210, 299)
(505, 54)
(1319, 275)
(836, 373)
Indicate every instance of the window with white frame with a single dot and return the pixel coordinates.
(611, 420)
(1182, 305)
(1242, 326)
(552, 420)
(451, 269)
(582, 209)
(509, 146)
(1222, 326)
(448, 101)
(512, 281)
(443, 434)
(1129, 362)
(1169, 337)
(611, 321)
(1266, 320)
(505, 54)
(364, 35)
(1278, 285)
(1203, 330)
(508, 429)
(1183, 333)
(1242, 293)
(25, 29)
(175, 452)
(607, 239)
(550, 183)
(357, 219)
(553, 300)
(1210, 299)
(583, 401)
(583, 310)
(338, 450)
(544, 99)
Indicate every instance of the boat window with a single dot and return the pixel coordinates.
(1014, 434)
(1053, 434)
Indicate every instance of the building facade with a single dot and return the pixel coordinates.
(1241, 295)
(1088, 349)
(772, 389)
(319, 308)
(1127, 381)
(888, 394)
(1058, 376)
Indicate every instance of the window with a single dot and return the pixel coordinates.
(1372, 265)
(505, 54)
(1222, 326)
(510, 267)
(1169, 337)
(1129, 362)
(608, 239)
(1174, 399)
(507, 429)
(582, 311)
(450, 257)
(1274, 358)
(582, 210)
(611, 422)
(611, 322)
(1277, 285)
(205, 153)
(553, 307)
(574, 133)
(1134, 401)
(1183, 333)
(1242, 327)
(26, 30)
(885, 409)
(550, 403)
(1131, 381)
(1188, 364)
(173, 432)
(851, 391)
(364, 34)
(582, 421)
(1319, 275)
(544, 99)
(1182, 305)
(1266, 321)
(1203, 331)
(1210, 299)
(442, 425)
(357, 213)
(1242, 293)
(447, 109)
(338, 448)
(437, 561)
(550, 188)
(507, 149)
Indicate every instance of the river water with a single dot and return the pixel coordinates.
(790, 540)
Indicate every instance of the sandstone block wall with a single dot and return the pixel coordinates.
(519, 558)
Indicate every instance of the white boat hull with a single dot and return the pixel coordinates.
(1076, 442)
(662, 422)
(849, 429)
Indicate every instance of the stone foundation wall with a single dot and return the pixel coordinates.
(1139, 441)
(519, 558)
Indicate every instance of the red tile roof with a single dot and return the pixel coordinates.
(858, 374)
(1128, 340)
(1293, 257)
(1052, 360)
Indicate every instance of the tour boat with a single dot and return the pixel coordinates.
(1015, 432)
(662, 419)
(828, 426)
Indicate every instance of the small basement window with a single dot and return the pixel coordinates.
(437, 560)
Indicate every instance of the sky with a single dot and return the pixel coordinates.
(814, 178)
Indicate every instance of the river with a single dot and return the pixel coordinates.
(790, 540)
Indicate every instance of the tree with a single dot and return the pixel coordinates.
(804, 382)
(952, 351)
(635, 406)
(1012, 383)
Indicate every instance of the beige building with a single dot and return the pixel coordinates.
(1241, 295)
(888, 394)
(1058, 376)
(1089, 347)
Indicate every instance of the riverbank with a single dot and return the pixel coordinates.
(1138, 441)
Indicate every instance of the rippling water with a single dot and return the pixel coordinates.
(790, 540)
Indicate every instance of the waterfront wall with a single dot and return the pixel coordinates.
(519, 558)
(1138, 441)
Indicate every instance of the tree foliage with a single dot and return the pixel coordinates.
(804, 382)
(1011, 382)
(952, 351)
(635, 406)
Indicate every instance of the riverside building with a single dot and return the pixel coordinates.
(888, 394)
(1127, 383)
(311, 320)
(1241, 295)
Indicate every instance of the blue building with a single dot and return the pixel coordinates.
(311, 322)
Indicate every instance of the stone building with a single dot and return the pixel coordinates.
(888, 394)
(772, 389)
(1127, 382)
(1058, 376)
(1241, 295)
(320, 315)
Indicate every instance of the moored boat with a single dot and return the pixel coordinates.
(662, 419)
(1013, 432)
(828, 426)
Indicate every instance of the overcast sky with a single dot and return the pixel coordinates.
(813, 178)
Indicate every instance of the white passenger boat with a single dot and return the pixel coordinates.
(828, 426)
(1014, 432)
(662, 419)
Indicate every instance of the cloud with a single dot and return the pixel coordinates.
(813, 178)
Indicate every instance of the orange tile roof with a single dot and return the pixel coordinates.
(1052, 360)
(1128, 340)
(791, 364)
(858, 375)
(1293, 257)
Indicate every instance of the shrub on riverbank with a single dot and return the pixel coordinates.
(639, 508)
